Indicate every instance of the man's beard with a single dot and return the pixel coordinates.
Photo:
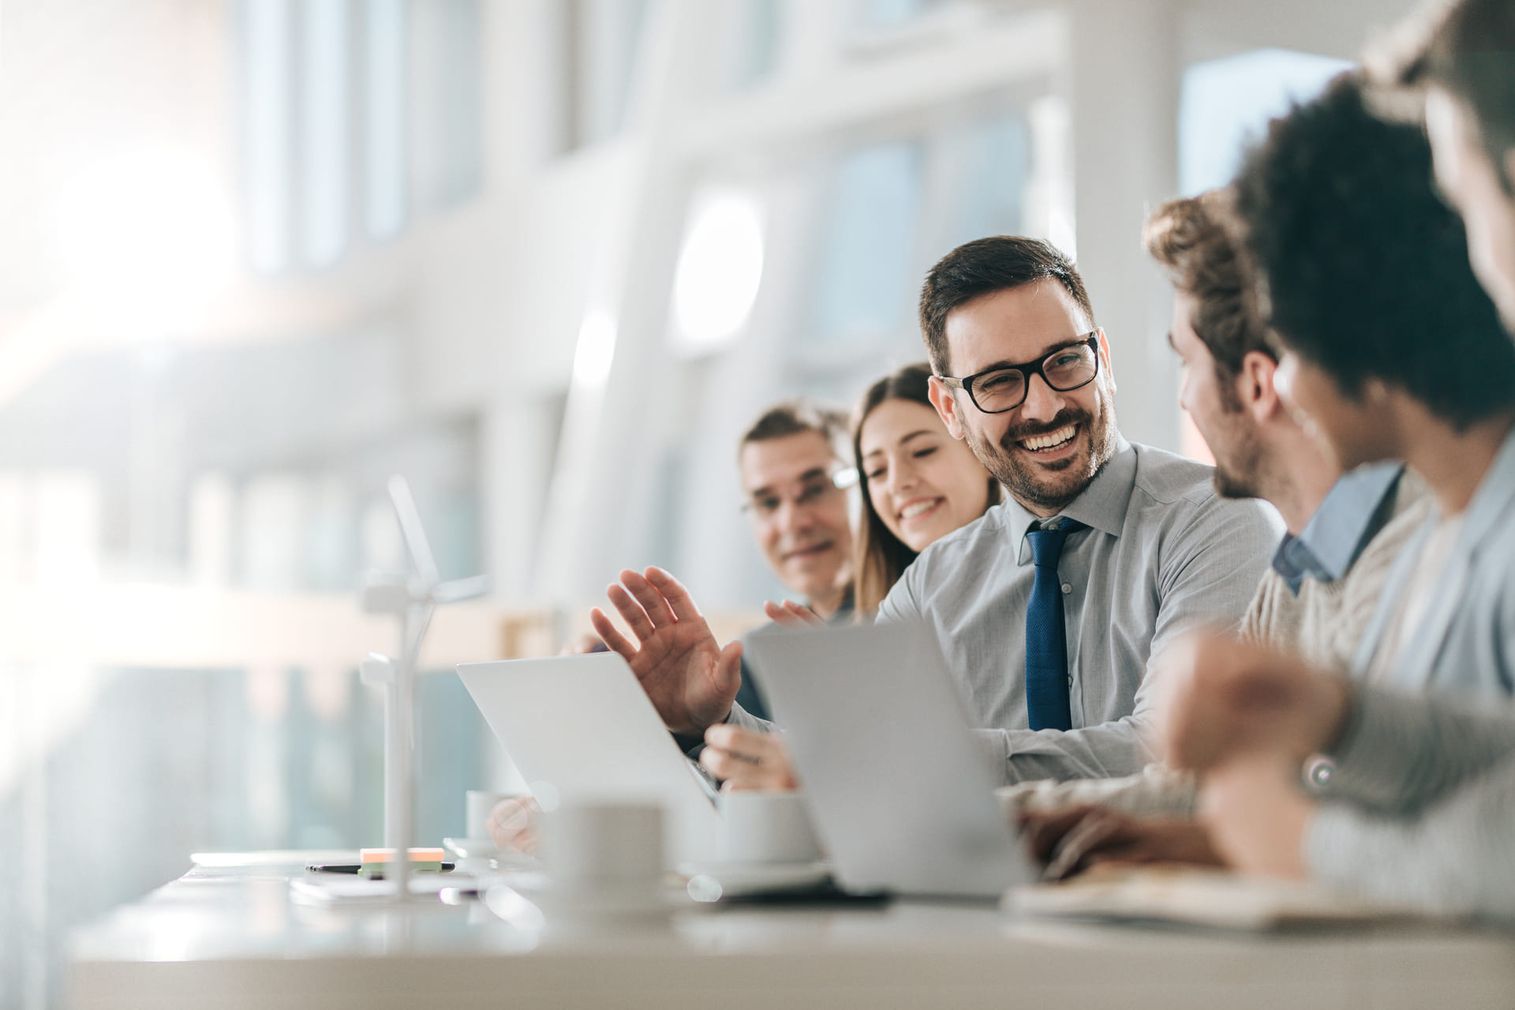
(1239, 474)
(1049, 486)
(1232, 485)
(1240, 481)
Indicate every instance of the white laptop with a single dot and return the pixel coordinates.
(902, 797)
(581, 728)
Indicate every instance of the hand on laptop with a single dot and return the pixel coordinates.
(744, 759)
(1074, 839)
(691, 680)
(1258, 815)
(512, 824)
(791, 614)
(1224, 697)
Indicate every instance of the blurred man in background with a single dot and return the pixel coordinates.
(1390, 352)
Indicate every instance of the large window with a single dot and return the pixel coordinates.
(602, 41)
(351, 113)
(888, 211)
(1226, 104)
(866, 247)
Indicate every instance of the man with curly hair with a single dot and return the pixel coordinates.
(1391, 350)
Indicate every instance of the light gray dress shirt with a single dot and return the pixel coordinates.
(1424, 805)
(1163, 554)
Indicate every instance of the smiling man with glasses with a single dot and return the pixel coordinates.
(1050, 608)
(794, 486)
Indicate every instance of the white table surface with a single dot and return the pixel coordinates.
(232, 936)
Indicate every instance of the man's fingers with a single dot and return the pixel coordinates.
(790, 613)
(803, 613)
(631, 612)
(673, 591)
(1076, 845)
(610, 635)
(744, 743)
(723, 764)
(728, 670)
(1045, 829)
(745, 759)
(738, 772)
(511, 824)
(650, 597)
(723, 736)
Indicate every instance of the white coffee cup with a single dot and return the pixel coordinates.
(477, 807)
(767, 827)
(603, 844)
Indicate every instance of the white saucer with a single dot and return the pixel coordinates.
(532, 900)
(483, 852)
(736, 879)
(472, 848)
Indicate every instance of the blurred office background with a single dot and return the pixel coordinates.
(544, 257)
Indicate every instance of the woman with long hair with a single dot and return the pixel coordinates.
(919, 484)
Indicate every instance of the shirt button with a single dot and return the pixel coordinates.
(1067, 587)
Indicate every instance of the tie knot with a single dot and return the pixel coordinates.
(1047, 540)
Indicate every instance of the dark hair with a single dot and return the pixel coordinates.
(795, 417)
(1363, 269)
(983, 267)
(880, 557)
(1189, 239)
(1467, 47)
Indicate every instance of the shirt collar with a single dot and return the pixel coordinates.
(1100, 506)
(1349, 516)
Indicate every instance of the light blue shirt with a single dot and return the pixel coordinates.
(1465, 640)
(1422, 789)
(1349, 516)
(1163, 554)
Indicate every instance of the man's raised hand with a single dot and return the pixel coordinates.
(691, 680)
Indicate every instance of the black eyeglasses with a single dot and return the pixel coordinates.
(811, 491)
(1004, 387)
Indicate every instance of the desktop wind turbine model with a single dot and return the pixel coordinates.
(411, 599)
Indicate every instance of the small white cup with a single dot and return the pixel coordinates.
(767, 827)
(610, 845)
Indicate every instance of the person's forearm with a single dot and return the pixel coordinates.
(1157, 791)
(1456, 857)
(1108, 750)
(1398, 752)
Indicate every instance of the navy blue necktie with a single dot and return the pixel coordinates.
(1046, 639)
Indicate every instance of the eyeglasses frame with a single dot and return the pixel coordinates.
(842, 478)
(1027, 370)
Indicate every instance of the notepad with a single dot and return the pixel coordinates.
(328, 888)
(1197, 897)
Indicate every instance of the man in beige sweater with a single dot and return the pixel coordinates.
(1344, 530)
(1320, 594)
